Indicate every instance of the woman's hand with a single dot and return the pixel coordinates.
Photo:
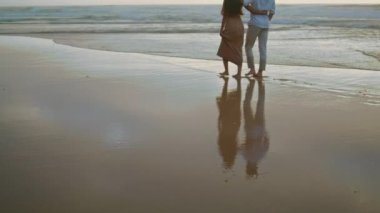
(252, 9)
(222, 26)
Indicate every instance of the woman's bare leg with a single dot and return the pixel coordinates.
(225, 64)
(238, 75)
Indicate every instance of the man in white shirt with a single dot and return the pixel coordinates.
(262, 12)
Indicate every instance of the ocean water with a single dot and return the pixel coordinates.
(344, 36)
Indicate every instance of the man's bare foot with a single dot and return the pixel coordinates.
(259, 74)
(251, 72)
(224, 73)
(237, 75)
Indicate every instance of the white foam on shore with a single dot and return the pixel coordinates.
(342, 82)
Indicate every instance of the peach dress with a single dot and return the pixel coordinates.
(232, 33)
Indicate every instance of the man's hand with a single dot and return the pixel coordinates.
(271, 14)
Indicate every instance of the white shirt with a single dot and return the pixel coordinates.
(261, 21)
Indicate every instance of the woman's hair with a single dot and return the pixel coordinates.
(232, 8)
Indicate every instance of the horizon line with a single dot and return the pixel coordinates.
(175, 4)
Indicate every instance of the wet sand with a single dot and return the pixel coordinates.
(95, 131)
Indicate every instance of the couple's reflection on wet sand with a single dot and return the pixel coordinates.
(229, 104)
(256, 143)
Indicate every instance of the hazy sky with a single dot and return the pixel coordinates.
(107, 2)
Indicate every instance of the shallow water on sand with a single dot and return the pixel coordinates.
(85, 130)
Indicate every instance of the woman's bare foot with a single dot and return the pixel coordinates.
(237, 75)
(223, 73)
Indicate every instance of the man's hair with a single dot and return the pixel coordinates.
(232, 8)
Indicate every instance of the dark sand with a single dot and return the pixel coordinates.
(94, 131)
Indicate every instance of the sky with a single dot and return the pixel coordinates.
(110, 2)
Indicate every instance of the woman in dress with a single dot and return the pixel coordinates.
(232, 33)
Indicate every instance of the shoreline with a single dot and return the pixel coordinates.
(40, 36)
(367, 60)
(356, 83)
(72, 45)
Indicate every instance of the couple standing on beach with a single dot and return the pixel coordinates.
(232, 33)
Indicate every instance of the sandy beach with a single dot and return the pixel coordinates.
(99, 131)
